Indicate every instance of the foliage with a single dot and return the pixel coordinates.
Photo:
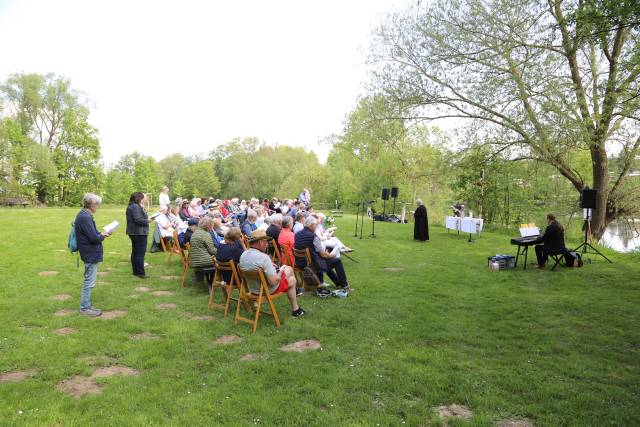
(50, 151)
(546, 80)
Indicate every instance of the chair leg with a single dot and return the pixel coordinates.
(274, 312)
(257, 316)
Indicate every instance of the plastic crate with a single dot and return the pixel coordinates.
(501, 262)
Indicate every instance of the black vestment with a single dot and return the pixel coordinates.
(421, 225)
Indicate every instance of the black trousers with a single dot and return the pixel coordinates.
(138, 249)
(543, 255)
(335, 271)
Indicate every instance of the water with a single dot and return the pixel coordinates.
(621, 236)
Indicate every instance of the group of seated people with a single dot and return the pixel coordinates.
(242, 231)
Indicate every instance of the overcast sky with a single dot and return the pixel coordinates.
(166, 76)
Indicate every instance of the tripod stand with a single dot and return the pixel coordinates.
(586, 243)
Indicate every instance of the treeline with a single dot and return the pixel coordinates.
(49, 153)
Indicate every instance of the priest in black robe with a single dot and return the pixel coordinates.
(421, 223)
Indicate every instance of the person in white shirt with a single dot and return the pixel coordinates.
(166, 230)
(164, 196)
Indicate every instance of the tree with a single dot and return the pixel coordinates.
(200, 180)
(544, 79)
(47, 112)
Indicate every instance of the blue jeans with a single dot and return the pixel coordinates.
(90, 274)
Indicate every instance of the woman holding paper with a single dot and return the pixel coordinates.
(138, 231)
(90, 247)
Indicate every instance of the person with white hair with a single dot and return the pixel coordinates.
(166, 230)
(273, 231)
(249, 225)
(328, 240)
(89, 241)
(324, 262)
(421, 223)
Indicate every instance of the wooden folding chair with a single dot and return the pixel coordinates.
(274, 252)
(186, 259)
(287, 257)
(167, 248)
(299, 273)
(263, 296)
(228, 288)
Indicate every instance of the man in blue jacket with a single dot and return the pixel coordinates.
(90, 248)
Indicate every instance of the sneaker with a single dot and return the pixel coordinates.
(340, 293)
(346, 288)
(298, 313)
(299, 291)
(310, 277)
(323, 292)
(92, 312)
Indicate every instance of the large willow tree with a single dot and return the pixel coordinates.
(543, 80)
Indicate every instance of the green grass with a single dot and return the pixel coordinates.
(557, 348)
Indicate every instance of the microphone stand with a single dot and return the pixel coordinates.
(373, 224)
(362, 220)
(357, 217)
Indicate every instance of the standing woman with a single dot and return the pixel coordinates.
(421, 222)
(138, 230)
(90, 247)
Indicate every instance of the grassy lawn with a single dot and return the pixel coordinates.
(555, 348)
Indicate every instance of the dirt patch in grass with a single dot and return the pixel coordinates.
(167, 306)
(47, 273)
(204, 317)
(252, 356)
(147, 265)
(301, 346)
(186, 314)
(393, 269)
(101, 283)
(113, 253)
(15, 376)
(65, 331)
(63, 312)
(103, 273)
(109, 371)
(61, 297)
(228, 339)
(79, 386)
(454, 411)
(97, 360)
(134, 296)
(142, 289)
(161, 293)
(169, 277)
(144, 336)
(113, 314)
(516, 423)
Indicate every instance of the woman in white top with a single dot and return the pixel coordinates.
(164, 196)
(327, 238)
(166, 230)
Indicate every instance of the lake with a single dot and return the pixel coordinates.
(621, 236)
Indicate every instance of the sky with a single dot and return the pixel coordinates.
(163, 76)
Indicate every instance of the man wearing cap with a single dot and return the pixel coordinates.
(279, 281)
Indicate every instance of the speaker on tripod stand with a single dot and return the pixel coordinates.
(588, 202)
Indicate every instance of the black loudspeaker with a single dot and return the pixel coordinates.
(394, 192)
(588, 199)
(385, 194)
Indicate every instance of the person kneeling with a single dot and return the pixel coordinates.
(279, 281)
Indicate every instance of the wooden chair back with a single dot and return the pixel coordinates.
(306, 255)
(186, 259)
(228, 288)
(287, 256)
(263, 296)
(274, 250)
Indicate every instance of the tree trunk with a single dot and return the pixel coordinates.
(599, 218)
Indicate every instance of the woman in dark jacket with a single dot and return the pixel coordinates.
(90, 247)
(137, 230)
(552, 241)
